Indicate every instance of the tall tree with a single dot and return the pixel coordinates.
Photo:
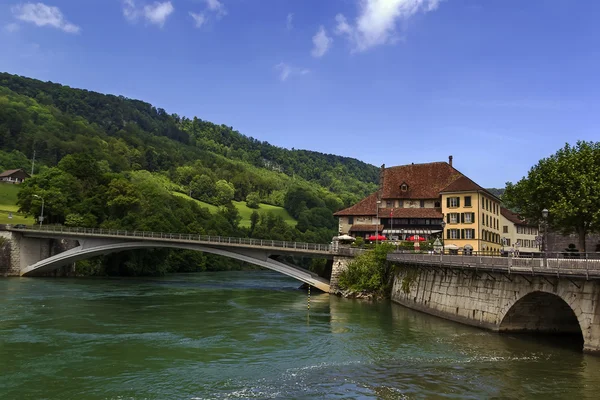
(568, 185)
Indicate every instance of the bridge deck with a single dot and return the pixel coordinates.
(275, 246)
(588, 268)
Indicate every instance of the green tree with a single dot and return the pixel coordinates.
(224, 192)
(568, 185)
(253, 200)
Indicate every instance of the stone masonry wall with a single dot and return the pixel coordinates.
(339, 264)
(483, 300)
(17, 250)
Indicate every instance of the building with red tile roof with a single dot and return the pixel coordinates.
(518, 234)
(432, 200)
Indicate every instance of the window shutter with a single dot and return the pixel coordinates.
(448, 233)
(462, 233)
(472, 233)
(472, 217)
(448, 218)
(448, 202)
(458, 202)
(462, 218)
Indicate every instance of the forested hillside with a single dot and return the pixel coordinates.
(109, 161)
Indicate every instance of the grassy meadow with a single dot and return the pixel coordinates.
(245, 211)
(8, 204)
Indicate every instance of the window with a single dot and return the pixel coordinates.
(453, 234)
(469, 233)
(453, 218)
(404, 187)
(467, 201)
(507, 242)
(401, 203)
(487, 220)
(505, 229)
(388, 203)
(437, 204)
(453, 202)
(422, 203)
(350, 220)
(487, 205)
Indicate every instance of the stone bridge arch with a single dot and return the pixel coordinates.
(93, 247)
(545, 312)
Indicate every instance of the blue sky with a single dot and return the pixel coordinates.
(498, 84)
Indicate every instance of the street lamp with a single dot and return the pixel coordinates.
(544, 237)
(377, 225)
(443, 226)
(42, 211)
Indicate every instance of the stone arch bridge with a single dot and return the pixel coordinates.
(554, 295)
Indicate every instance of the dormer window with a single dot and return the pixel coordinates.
(404, 187)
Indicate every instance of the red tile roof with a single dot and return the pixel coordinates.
(366, 228)
(424, 181)
(410, 212)
(367, 206)
(514, 217)
(464, 184)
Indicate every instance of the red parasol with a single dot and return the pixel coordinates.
(379, 237)
(416, 238)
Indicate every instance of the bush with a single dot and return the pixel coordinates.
(368, 272)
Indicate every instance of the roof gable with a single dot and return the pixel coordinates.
(367, 206)
(513, 217)
(424, 181)
(10, 172)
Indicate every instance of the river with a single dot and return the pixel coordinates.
(239, 335)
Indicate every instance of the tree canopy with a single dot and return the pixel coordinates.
(568, 185)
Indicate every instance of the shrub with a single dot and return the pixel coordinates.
(369, 271)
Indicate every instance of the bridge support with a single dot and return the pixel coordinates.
(18, 251)
(340, 264)
(491, 301)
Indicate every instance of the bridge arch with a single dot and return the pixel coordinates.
(543, 312)
(94, 247)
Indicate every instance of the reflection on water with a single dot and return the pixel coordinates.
(250, 335)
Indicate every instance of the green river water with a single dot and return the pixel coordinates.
(238, 335)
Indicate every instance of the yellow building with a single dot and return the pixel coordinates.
(413, 200)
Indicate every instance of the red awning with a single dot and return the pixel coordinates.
(416, 238)
(379, 237)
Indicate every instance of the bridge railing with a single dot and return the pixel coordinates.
(182, 237)
(559, 263)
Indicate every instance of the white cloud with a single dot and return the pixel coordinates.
(377, 19)
(43, 15)
(129, 10)
(321, 43)
(285, 71)
(157, 13)
(217, 7)
(12, 27)
(289, 22)
(199, 19)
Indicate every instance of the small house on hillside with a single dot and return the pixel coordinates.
(14, 176)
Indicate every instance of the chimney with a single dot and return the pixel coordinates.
(450, 160)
